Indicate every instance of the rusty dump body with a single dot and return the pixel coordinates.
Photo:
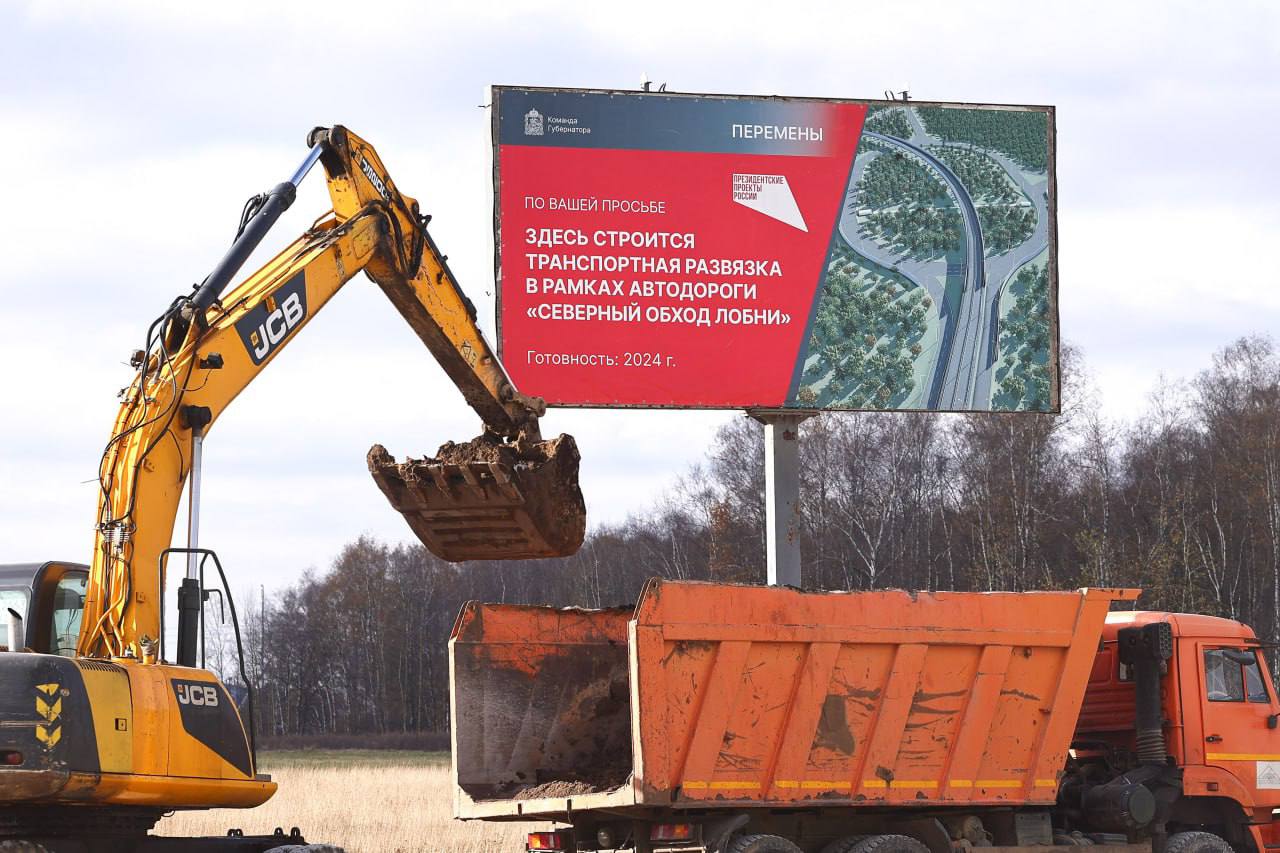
(489, 500)
(710, 695)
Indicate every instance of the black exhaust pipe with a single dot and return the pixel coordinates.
(1144, 650)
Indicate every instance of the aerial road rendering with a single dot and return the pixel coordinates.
(938, 291)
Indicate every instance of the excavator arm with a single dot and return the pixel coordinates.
(414, 275)
(504, 495)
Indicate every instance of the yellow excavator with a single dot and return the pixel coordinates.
(104, 729)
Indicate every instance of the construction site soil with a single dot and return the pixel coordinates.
(568, 788)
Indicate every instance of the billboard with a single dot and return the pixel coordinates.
(710, 251)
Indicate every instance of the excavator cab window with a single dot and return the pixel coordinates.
(49, 597)
(68, 607)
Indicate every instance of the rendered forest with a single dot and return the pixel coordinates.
(1022, 135)
(905, 207)
(1023, 371)
(866, 335)
(1007, 216)
(889, 121)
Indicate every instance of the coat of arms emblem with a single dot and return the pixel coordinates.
(533, 123)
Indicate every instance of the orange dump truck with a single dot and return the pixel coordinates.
(734, 719)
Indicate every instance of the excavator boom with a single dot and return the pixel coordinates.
(505, 495)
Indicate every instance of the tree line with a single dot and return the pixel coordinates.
(1184, 502)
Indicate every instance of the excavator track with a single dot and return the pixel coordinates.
(486, 500)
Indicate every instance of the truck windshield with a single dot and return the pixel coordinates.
(1232, 675)
(15, 599)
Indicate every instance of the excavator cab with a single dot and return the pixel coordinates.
(41, 604)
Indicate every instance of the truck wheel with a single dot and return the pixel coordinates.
(906, 844)
(762, 844)
(22, 847)
(844, 845)
(1196, 842)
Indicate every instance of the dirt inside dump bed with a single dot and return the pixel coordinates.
(486, 499)
(570, 788)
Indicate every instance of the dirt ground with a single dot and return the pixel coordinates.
(364, 803)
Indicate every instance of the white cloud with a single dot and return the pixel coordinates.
(1150, 289)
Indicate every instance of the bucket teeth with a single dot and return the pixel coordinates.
(485, 501)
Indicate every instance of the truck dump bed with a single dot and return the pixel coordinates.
(719, 695)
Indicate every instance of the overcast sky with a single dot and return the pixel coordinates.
(137, 129)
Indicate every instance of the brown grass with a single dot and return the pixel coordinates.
(361, 807)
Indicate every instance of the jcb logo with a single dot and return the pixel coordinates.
(196, 694)
(378, 184)
(279, 323)
(266, 325)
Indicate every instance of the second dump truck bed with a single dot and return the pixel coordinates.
(710, 695)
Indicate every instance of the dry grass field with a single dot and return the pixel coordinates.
(363, 801)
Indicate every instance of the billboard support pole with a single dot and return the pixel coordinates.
(782, 493)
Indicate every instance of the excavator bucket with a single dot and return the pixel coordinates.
(485, 500)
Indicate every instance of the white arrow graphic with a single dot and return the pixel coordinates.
(770, 195)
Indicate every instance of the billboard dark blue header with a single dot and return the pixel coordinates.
(663, 122)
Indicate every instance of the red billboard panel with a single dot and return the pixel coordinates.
(706, 251)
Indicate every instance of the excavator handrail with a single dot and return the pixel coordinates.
(205, 555)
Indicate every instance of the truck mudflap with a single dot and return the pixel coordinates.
(739, 695)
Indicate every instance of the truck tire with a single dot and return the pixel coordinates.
(11, 846)
(906, 844)
(1196, 842)
(844, 845)
(762, 844)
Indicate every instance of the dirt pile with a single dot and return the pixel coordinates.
(559, 788)
(606, 781)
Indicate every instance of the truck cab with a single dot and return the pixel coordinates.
(1220, 713)
(48, 599)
